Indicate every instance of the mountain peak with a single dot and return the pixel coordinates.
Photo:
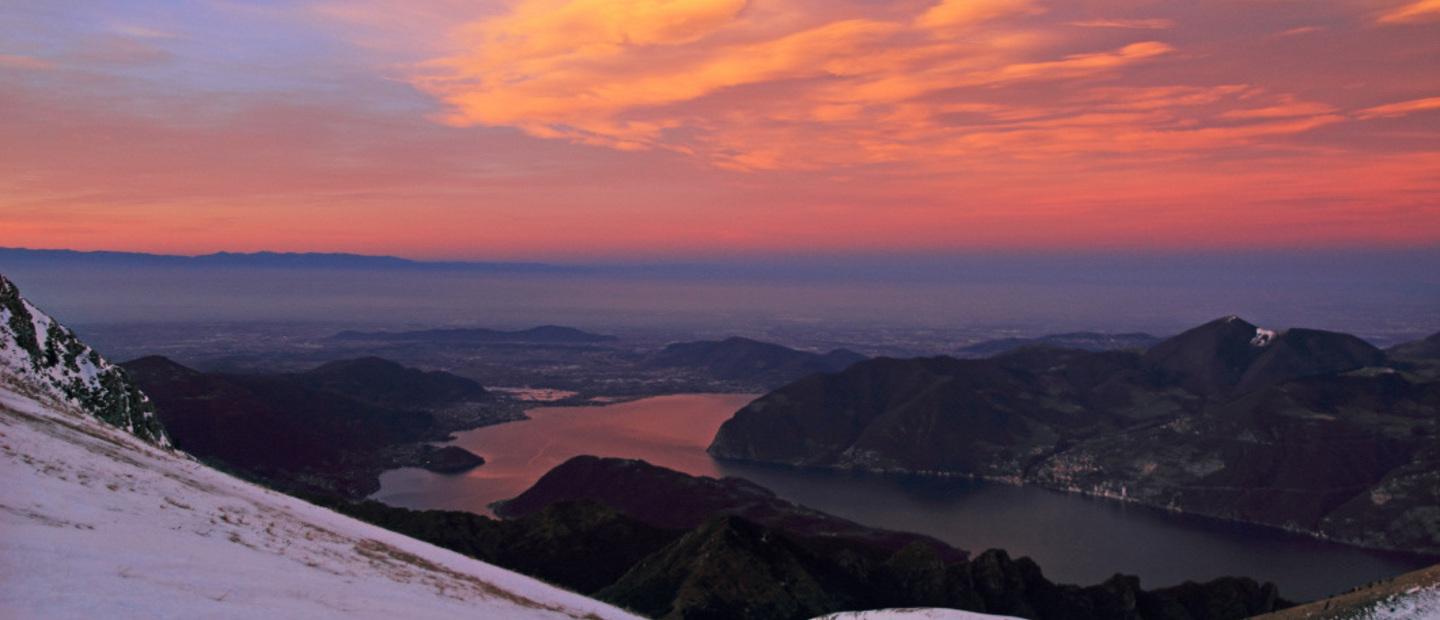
(1230, 356)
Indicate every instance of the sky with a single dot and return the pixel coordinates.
(573, 130)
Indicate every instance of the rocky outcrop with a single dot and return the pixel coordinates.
(47, 360)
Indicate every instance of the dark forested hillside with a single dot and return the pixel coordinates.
(1303, 429)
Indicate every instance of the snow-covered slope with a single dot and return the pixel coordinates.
(914, 614)
(1412, 596)
(96, 522)
(44, 359)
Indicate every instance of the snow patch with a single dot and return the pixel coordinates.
(1413, 604)
(927, 613)
(1262, 337)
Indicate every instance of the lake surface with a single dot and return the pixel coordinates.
(1075, 539)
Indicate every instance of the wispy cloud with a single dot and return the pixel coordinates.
(1413, 12)
(1400, 108)
(746, 88)
(11, 61)
(1143, 24)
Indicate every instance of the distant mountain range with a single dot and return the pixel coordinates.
(1303, 429)
(262, 260)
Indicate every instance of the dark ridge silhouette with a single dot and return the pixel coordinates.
(668, 498)
(305, 432)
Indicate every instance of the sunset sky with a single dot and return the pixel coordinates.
(641, 129)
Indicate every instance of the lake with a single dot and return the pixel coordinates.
(1075, 539)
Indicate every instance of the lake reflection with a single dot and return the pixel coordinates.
(669, 431)
(1075, 539)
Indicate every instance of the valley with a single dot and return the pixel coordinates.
(406, 411)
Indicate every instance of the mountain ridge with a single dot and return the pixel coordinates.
(1301, 429)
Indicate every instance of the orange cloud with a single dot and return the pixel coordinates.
(955, 13)
(916, 124)
(1144, 24)
(1400, 109)
(1414, 12)
(639, 74)
(1286, 108)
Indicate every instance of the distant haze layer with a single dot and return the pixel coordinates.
(1376, 294)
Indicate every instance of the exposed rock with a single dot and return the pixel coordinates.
(47, 360)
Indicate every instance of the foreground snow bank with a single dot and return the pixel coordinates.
(913, 614)
(1413, 604)
(96, 523)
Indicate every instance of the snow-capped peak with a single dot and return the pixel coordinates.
(44, 359)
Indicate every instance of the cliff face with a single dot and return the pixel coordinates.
(1304, 429)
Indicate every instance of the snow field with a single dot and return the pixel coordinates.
(96, 523)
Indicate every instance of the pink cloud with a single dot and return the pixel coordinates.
(558, 70)
(11, 61)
